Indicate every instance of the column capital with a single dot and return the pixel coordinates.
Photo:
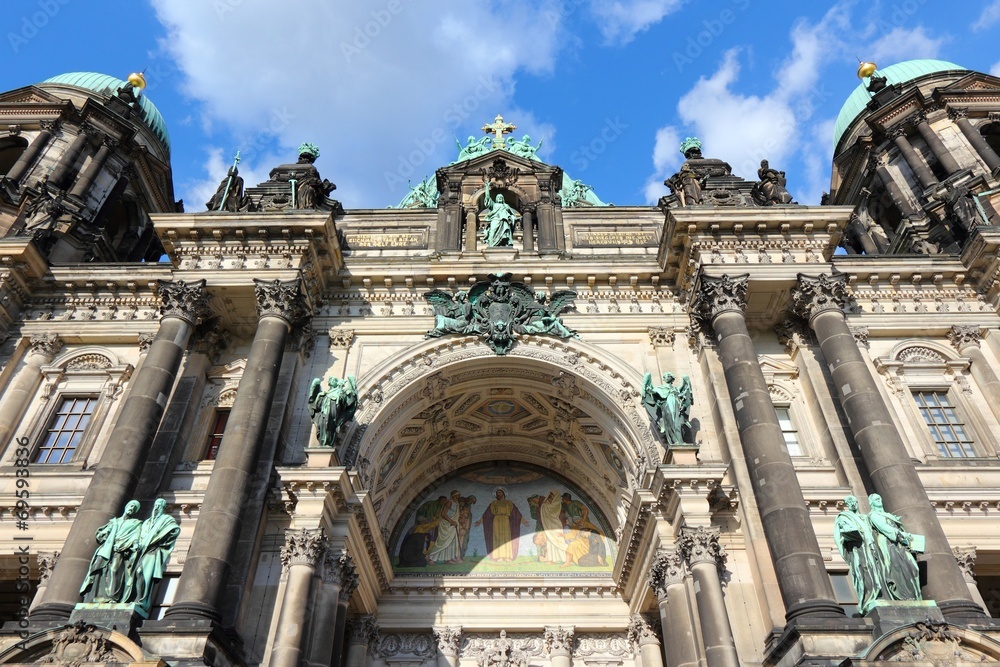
(860, 335)
(47, 561)
(334, 563)
(145, 340)
(701, 545)
(964, 335)
(559, 640)
(340, 337)
(448, 639)
(363, 629)
(47, 344)
(303, 547)
(719, 295)
(816, 294)
(348, 578)
(280, 298)
(667, 569)
(896, 132)
(187, 301)
(644, 629)
(956, 113)
(966, 557)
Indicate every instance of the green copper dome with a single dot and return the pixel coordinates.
(898, 73)
(109, 85)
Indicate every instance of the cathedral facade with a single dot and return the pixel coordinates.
(502, 423)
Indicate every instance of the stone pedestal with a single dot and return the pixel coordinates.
(107, 615)
(887, 615)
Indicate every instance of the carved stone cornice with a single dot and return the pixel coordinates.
(817, 294)
(701, 545)
(644, 629)
(448, 640)
(280, 298)
(363, 629)
(721, 295)
(666, 570)
(559, 640)
(966, 557)
(303, 547)
(962, 336)
(187, 301)
(348, 578)
(46, 344)
(341, 337)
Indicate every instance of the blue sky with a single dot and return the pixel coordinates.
(384, 86)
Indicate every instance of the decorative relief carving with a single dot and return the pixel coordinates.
(814, 295)
(474, 645)
(363, 629)
(966, 557)
(303, 547)
(860, 336)
(502, 653)
(188, 301)
(413, 644)
(145, 340)
(89, 362)
(449, 640)
(610, 645)
(918, 354)
(963, 336)
(558, 640)
(348, 578)
(82, 644)
(47, 561)
(661, 336)
(933, 643)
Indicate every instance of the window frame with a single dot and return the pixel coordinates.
(52, 416)
(955, 404)
(212, 432)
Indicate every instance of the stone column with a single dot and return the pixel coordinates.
(22, 389)
(916, 163)
(937, 146)
(324, 618)
(821, 300)
(31, 153)
(979, 143)
(362, 637)
(559, 646)
(801, 574)
(527, 222)
(46, 562)
(348, 584)
(279, 305)
(449, 641)
(302, 552)
(115, 479)
(965, 338)
(471, 238)
(94, 167)
(707, 560)
(666, 578)
(63, 169)
(644, 632)
(895, 193)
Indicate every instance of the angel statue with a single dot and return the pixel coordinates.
(473, 148)
(499, 218)
(523, 148)
(545, 316)
(669, 406)
(451, 314)
(333, 408)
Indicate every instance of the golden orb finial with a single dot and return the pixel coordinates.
(866, 69)
(137, 80)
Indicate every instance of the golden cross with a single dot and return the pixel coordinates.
(498, 128)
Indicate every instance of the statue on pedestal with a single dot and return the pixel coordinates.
(157, 536)
(329, 410)
(901, 578)
(771, 188)
(669, 406)
(499, 218)
(853, 534)
(110, 575)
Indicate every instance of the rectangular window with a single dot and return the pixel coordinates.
(844, 590)
(65, 431)
(163, 597)
(215, 437)
(944, 423)
(788, 430)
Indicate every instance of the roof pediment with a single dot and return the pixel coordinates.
(30, 95)
(479, 162)
(973, 81)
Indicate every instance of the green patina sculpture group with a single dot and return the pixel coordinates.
(669, 406)
(879, 553)
(330, 410)
(131, 557)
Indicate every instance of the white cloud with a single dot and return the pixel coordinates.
(988, 17)
(995, 69)
(902, 44)
(378, 89)
(666, 159)
(621, 20)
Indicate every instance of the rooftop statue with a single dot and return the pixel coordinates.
(499, 219)
(422, 195)
(330, 410)
(229, 195)
(131, 557)
(576, 193)
(523, 148)
(473, 148)
(669, 406)
(686, 185)
(771, 188)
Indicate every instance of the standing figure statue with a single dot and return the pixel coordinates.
(771, 189)
(329, 410)
(895, 547)
(669, 406)
(157, 536)
(499, 219)
(852, 531)
(110, 575)
(229, 195)
(686, 185)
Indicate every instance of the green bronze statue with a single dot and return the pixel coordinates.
(669, 406)
(110, 575)
(852, 531)
(499, 219)
(330, 410)
(157, 537)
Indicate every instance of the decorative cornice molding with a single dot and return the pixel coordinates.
(187, 301)
(817, 294)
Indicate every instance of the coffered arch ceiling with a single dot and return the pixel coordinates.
(455, 404)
